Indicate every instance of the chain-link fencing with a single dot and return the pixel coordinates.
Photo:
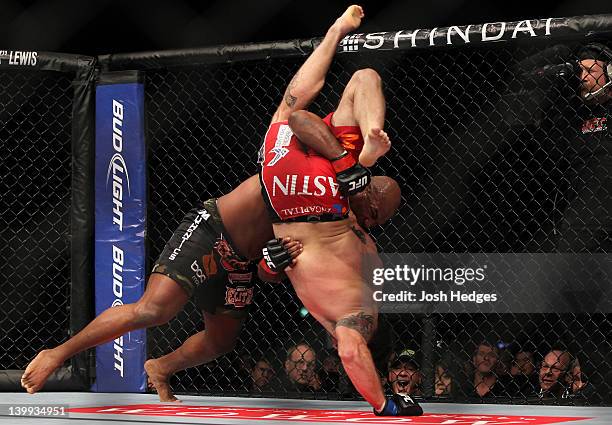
(485, 147)
(34, 212)
(43, 104)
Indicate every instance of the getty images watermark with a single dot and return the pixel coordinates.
(490, 283)
(412, 276)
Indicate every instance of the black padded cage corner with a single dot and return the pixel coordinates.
(46, 210)
(482, 148)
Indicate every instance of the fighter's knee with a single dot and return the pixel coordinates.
(147, 314)
(366, 75)
(349, 347)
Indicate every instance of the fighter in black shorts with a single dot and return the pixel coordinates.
(200, 257)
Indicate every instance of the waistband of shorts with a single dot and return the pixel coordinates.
(313, 218)
(216, 223)
(210, 205)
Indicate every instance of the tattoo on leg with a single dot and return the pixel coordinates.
(290, 100)
(361, 322)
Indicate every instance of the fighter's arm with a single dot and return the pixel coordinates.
(310, 78)
(266, 276)
(316, 135)
(278, 255)
(312, 132)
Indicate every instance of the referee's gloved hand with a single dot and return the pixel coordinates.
(351, 176)
(278, 254)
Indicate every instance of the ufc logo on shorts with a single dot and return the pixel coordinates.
(358, 184)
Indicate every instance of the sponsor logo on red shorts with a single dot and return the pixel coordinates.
(293, 184)
(307, 209)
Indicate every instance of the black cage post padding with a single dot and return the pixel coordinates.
(558, 29)
(47, 107)
(82, 223)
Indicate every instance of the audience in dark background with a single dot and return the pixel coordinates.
(443, 381)
(558, 376)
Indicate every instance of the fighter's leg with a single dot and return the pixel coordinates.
(309, 79)
(363, 104)
(162, 300)
(218, 338)
(353, 332)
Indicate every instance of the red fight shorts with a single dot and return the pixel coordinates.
(298, 186)
(349, 136)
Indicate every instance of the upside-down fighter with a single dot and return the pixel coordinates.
(304, 202)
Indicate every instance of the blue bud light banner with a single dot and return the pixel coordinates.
(120, 208)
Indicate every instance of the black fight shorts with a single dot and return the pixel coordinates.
(200, 257)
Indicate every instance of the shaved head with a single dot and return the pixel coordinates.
(390, 197)
(377, 203)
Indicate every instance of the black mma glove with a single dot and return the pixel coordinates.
(400, 405)
(351, 176)
(276, 257)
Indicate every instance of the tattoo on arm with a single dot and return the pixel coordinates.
(361, 322)
(290, 99)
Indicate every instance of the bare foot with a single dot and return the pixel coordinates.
(350, 20)
(160, 381)
(39, 369)
(376, 144)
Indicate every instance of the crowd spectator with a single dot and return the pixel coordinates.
(403, 373)
(577, 379)
(443, 384)
(524, 378)
(482, 381)
(553, 373)
(560, 376)
(300, 368)
(523, 364)
(261, 376)
(330, 374)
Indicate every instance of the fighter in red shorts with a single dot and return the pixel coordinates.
(287, 197)
(305, 202)
(299, 185)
